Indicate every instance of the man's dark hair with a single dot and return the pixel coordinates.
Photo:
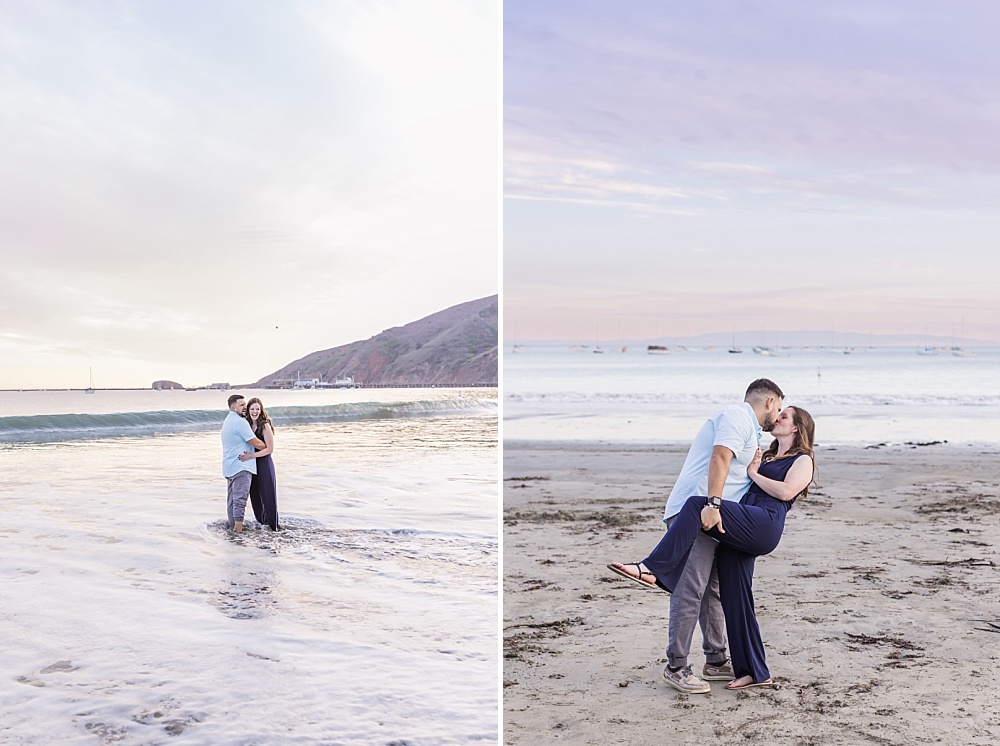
(234, 398)
(764, 387)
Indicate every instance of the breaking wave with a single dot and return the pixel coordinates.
(44, 428)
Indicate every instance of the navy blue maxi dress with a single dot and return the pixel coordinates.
(753, 527)
(264, 491)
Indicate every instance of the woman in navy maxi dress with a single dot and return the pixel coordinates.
(745, 531)
(263, 485)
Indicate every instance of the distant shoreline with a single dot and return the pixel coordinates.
(750, 339)
(272, 388)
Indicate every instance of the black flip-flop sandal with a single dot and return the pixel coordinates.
(637, 579)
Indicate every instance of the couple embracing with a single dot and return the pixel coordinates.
(247, 445)
(727, 508)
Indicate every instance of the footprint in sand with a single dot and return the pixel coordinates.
(165, 718)
(107, 733)
(57, 667)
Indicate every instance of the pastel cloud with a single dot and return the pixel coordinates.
(853, 145)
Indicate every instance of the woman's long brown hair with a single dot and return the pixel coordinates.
(262, 420)
(802, 442)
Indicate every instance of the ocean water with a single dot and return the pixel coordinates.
(880, 395)
(130, 615)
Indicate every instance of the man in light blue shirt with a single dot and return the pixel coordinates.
(238, 439)
(737, 429)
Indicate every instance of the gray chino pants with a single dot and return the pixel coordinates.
(237, 492)
(695, 600)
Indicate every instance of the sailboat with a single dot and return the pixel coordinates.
(90, 388)
(515, 347)
(926, 350)
(734, 349)
(960, 351)
(598, 349)
(763, 349)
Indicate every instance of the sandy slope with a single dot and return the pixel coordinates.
(867, 607)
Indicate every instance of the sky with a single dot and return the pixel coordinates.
(205, 192)
(675, 168)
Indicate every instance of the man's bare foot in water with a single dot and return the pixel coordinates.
(635, 571)
(238, 527)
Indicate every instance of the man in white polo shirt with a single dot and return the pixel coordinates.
(238, 439)
(715, 466)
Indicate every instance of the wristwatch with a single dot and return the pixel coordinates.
(715, 502)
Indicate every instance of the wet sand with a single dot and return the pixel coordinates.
(879, 609)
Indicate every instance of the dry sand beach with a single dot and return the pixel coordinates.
(878, 610)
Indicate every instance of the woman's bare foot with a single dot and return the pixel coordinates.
(747, 681)
(634, 571)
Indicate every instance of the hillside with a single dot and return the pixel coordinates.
(457, 346)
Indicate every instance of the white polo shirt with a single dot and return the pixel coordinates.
(736, 428)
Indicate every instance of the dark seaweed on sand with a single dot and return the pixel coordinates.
(521, 643)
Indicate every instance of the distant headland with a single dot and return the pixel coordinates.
(454, 347)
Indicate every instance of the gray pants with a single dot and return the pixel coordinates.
(696, 600)
(237, 492)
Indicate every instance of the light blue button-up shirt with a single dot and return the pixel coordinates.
(736, 428)
(236, 437)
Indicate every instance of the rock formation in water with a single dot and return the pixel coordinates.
(164, 385)
(457, 346)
